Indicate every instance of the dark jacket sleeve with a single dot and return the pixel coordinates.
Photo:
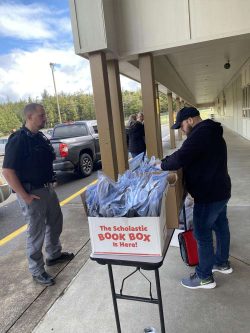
(127, 136)
(193, 147)
(13, 152)
(143, 130)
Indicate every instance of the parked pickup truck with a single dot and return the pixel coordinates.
(76, 145)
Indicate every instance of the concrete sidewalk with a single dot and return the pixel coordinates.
(86, 305)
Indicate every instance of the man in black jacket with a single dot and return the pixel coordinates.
(203, 157)
(135, 136)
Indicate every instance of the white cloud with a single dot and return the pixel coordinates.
(27, 73)
(32, 22)
(128, 84)
(24, 73)
(62, 25)
(24, 22)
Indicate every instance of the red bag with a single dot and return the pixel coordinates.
(188, 248)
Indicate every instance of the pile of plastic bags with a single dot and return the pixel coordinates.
(138, 192)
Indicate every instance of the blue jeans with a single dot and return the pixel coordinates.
(207, 218)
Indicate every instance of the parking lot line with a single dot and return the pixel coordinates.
(13, 235)
(17, 232)
(73, 196)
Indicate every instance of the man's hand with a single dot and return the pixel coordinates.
(30, 197)
(16, 185)
(158, 166)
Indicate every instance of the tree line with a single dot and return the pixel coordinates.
(77, 106)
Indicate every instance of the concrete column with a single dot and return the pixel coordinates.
(178, 107)
(118, 117)
(158, 107)
(171, 120)
(149, 105)
(99, 74)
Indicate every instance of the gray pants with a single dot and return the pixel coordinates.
(44, 219)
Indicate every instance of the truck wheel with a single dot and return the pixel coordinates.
(85, 165)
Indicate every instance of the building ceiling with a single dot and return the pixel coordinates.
(198, 69)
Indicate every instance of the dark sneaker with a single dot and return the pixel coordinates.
(65, 256)
(225, 268)
(194, 282)
(44, 279)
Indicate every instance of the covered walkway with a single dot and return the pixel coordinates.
(86, 305)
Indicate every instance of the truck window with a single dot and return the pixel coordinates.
(70, 131)
(95, 129)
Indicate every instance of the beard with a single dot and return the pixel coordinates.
(42, 125)
(189, 130)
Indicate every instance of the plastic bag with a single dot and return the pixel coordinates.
(137, 192)
(92, 201)
(154, 188)
(135, 162)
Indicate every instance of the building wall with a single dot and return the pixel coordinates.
(146, 25)
(230, 109)
(212, 19)
(130, 27)
(93, 25)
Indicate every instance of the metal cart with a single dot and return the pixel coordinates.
(140, 263)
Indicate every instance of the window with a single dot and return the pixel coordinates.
(246, 102)
(70, 131)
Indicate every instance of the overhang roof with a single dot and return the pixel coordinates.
(196, 72)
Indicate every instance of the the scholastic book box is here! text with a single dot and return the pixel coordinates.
(138, 235)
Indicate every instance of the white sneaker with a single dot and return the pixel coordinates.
(225, 268)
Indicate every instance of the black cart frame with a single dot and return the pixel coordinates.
(140, 262)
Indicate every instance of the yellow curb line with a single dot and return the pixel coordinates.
(73, 196)
(17, 232)
(13, 235)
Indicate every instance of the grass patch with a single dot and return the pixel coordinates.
(164, 119)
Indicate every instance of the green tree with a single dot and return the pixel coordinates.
(132, 102)
(77, 106)
(8, 119)
(163, 103)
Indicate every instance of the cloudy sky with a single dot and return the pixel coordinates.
(33, 34)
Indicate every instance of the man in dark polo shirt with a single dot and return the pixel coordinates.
(28, 168)
(203, 158)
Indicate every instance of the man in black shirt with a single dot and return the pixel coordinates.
(28, 168)
(203, 157)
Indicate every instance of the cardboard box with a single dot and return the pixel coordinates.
(130, 236)
(174, 199)
(138, 235)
